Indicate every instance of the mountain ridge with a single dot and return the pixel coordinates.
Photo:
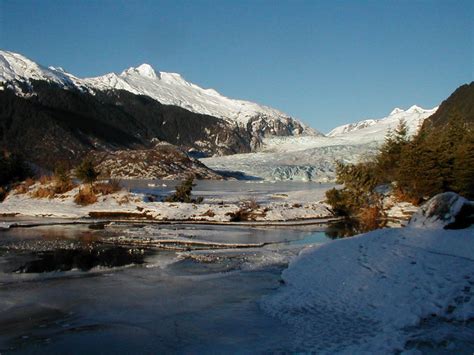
(166, 88)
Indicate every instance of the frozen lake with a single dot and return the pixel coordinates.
(110, 297)
(230, 191)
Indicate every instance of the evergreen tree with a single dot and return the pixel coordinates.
(448, 140)
(388, 159)
(463, 169)
(183, 192)
(86, 172)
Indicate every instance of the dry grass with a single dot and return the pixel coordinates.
(43, 192)
(370, 217)
(85, 196)
(401, 196)
(61, 187)
(209, 213)
(249, 211)
(24, 187)
(3, 193)
(250, 204)
(45, 179)
(107, 188)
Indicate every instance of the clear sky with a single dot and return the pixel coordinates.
(325, 62)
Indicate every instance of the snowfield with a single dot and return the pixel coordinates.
(373, 293)
(311, 158)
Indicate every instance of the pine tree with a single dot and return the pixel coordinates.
(86, 172)
(447, 143)
(388, 159)
(463, 168)
(183, 192)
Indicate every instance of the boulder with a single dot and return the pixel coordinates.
(447, 210)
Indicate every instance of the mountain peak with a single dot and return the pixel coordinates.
(145, 70)
(395, 111)
(415, 108)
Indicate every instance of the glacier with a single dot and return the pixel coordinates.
(312, 158)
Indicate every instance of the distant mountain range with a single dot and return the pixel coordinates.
(48, 114)
(376, 129)
(311, 158)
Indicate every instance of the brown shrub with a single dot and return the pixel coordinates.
(401, 196)
(370, 217)
(247, 212)
(250, 204)
(45, 179)
(43, 192)
(85, 196)
(209, 213)
(24, 186)
(3, 193)
(107, 188)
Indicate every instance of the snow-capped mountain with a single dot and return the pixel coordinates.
(311, 158)
(378, 128)
(16, 71)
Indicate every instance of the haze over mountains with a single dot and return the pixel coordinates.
(48, 115)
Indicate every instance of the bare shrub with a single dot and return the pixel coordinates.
(370, 217)
(250, 204)
(3, 193)
(402, 196)
(24, 187)
(43, 192)
(247, 212)
(62, 181)
(85, 196)
(209, 213)
(45, 179)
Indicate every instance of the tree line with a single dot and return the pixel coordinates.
(415, 168)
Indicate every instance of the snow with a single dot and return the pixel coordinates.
(311, 158)
(290, 206)
(167, 88)
(439, 212)
(414, 117)
(362, 295)
(14, 66)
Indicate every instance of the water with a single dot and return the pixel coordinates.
(230, 190)
(79, 288)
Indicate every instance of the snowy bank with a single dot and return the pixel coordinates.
(129, 205)
(369, 294)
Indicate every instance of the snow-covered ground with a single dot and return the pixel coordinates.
(299, 204)
(373, 293)
(311, 158)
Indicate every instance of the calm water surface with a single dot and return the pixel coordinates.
(79, 288)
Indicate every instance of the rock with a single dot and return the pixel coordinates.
(447, 210)
(164, 161)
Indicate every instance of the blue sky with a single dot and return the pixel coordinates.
(325, 62)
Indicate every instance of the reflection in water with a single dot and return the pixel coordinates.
(350, 227)
(82, 259)
(197, 301)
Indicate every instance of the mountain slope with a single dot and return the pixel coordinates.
(459, 104)
(311, 158)
(17, 72)
(56, 124)
(376, 129)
